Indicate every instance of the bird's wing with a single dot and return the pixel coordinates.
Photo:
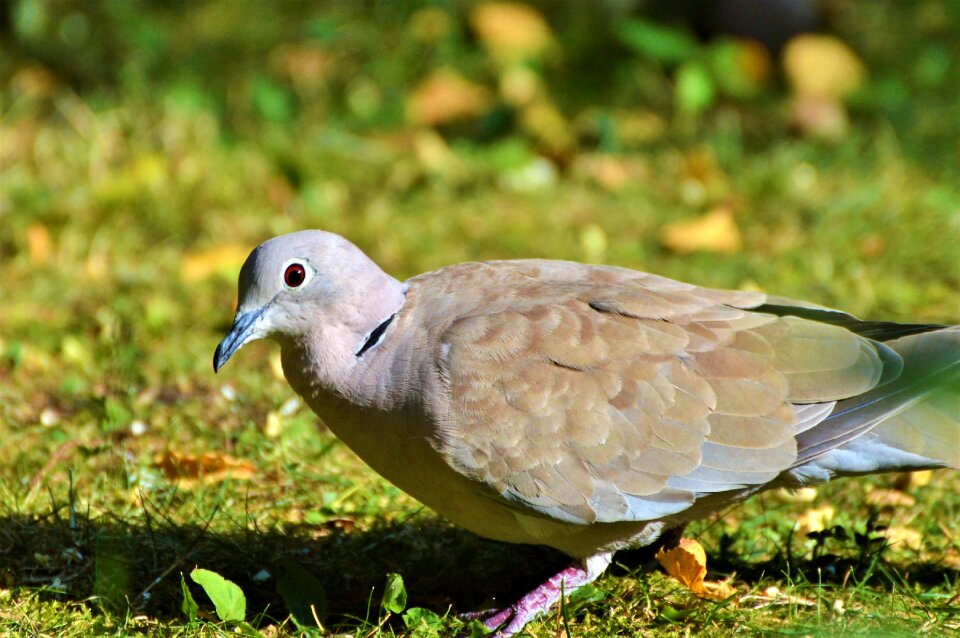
(625, 401)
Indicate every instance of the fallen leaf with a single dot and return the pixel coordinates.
(38, 244)
(904, 537)
(882, 497)
(593, 241)
(921, 478)
(225, 259)
(34, 81)
(210, 467)
(306, 65)
(511, 31)
(443, 97)
(687, 562)
(872, 246)
(799, 495)
(753, 60)
(815, 520)
(773, 596)
(716, 231)
(819, 117)
(609, 172)
(433, 152)
(273, 427)
(520, 85)
(276, 364)
(822, 66)
(550, 128)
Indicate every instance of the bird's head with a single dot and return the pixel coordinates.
(304, 283)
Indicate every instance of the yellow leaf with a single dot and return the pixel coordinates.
(510, 31)
(904, 537)
(815, 520)
(799, 495)
(883, 497)
(551, 129)
(191, 469)
(594, 243)
(687, 562)
(753, 60)
(225, 259)
(38, 243)
(443, 97)
(819, 117)
(822, 66)
(921, 478)
(719, 590)
(273, 427)
(715, 231)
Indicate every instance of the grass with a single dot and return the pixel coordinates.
(124, 217)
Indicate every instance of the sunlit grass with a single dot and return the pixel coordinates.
(123, 222)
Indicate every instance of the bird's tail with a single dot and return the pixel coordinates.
(929, 426)
(911, 420)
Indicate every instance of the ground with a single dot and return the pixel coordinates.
(126, 211)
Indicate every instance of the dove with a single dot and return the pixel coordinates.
(590, 408)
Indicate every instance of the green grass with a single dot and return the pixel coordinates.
(106, 195)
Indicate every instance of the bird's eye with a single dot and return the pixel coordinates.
(294, 275)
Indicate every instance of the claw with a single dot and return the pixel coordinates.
(511, 620)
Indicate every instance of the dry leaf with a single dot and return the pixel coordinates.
(551, 129)
(904, 537)
(798, 495)
(433, 152)
(610, 172)
(443, 97)
(882, 497)
(34, 81)
(822, 66)
(191, 469)
(687, 562)
(38, 243)
(306, 64)
(510, 31)
(919, 479)
(225, 259)
(820, 118)
(715, 231)
(273, 426)
(520, 85)
(773, 596)
(753, 61)
(816, 519)
(872, 246)
(276, 364)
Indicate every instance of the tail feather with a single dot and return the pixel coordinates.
(909, 421)
(931, 428)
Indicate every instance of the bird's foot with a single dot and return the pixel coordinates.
(510, 620)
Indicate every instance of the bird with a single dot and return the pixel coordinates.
(590, 408)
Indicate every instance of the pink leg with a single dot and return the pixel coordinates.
(510, 620)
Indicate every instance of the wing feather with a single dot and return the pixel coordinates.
(615, 398)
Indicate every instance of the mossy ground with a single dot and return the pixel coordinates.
(124, 215)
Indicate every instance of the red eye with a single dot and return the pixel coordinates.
(294, 275)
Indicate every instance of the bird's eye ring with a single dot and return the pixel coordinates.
(294, 275)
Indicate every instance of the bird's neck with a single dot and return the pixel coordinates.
(350, 359)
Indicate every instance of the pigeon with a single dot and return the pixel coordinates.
(590, 408)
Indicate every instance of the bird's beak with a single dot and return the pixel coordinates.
(244, 329)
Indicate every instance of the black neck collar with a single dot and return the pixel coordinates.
(375, 336)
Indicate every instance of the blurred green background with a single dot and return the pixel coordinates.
(811, 149)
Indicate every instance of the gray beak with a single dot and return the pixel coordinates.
(241, 332)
